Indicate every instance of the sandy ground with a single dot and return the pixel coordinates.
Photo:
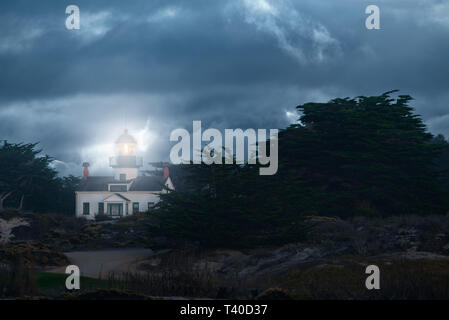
(96, 264)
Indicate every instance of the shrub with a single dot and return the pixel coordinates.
(102, 217)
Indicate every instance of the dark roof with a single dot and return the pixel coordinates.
(142, 183)
(95, 184)
(147, 183)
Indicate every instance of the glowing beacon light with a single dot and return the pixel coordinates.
(125, 145)
(126, 164)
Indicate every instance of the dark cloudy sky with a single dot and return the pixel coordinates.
(154, 66)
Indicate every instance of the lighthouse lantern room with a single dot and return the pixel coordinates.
(126, 164)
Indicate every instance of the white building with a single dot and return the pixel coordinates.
(124, 193)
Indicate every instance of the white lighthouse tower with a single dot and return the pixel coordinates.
(126, 164)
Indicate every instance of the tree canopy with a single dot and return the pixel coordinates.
(367, 156)
(27, 180)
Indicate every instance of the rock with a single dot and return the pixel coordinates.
(7, 226)
(446, 248)
(418, 255)
(33, 254)
(440, 236)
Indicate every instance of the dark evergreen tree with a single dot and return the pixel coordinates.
(369, 155)
(27, 181)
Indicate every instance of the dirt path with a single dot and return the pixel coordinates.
(99, 263)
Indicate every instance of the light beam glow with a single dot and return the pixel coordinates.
(145, 138)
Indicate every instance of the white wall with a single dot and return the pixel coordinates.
(94, 197)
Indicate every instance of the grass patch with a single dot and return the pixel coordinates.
(47, 281)
(344, 279)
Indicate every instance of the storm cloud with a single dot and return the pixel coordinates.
(153, 66)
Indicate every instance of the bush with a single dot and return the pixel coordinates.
(102, 217)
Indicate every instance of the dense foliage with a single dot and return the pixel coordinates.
(27, 181)
(369, 155)
(364, 156)
(219, 208)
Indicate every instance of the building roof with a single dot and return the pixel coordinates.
(95, 183)
(142, 183)
(147, 183)
(125, 138)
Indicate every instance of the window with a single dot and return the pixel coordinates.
(135, 207)
(118, 188)
(122, 176)
(100, 208)
(86, 208)
(150, 205)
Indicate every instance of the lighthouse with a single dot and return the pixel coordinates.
(124, 193)
(125, 163)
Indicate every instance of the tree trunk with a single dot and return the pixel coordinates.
(3, 197)
(21, 203)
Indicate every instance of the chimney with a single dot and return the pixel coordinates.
(166, 173)
(86, 170)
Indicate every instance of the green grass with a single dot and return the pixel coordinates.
(48, 284)
(47, 281)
